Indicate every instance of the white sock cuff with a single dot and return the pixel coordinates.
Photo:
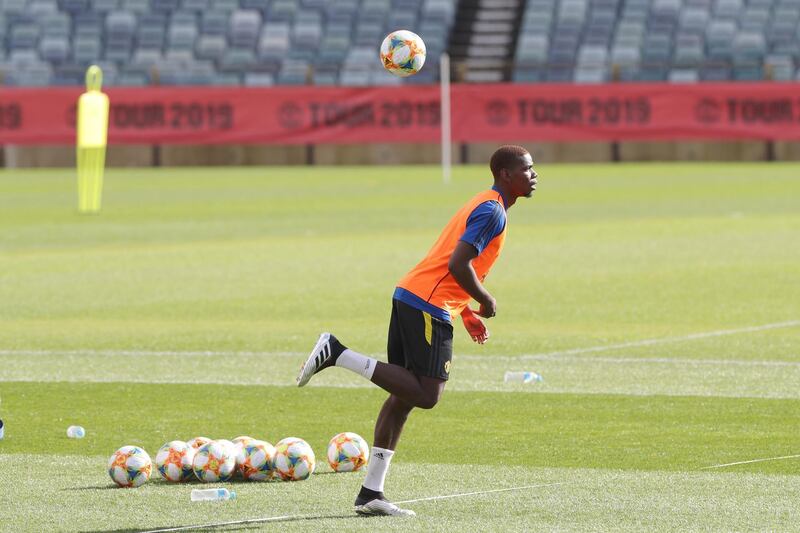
(358, 363)
(379, 459)
(382, 453)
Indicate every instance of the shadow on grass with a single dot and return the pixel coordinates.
(191, 482)
(157, 482)
(94, 487)
(245, 525)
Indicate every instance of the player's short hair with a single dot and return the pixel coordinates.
(506, 157)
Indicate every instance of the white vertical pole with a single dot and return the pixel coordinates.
(444, 76)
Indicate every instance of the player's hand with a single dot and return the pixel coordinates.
(474, 326)
(488, 309)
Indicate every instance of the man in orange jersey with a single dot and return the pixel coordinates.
(425, 303)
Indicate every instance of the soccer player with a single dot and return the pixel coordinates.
(425, 303)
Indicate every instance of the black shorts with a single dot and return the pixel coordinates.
(419, 342)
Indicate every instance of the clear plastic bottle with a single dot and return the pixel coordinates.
(202, 495)
(76, 432)
(523, 377)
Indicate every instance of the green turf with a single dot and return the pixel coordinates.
(618, 432)
(554, 499)
(187, 305)
(602, 254)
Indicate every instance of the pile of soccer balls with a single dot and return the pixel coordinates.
(209, 461)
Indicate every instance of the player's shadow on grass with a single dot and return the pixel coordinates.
(310, 519)
(254, 525)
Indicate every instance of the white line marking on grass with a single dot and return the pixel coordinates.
(222, 524)
(751, 461)
(144, 353)
(462, 494)
(574, 351)
(311, 517)
(665, 340)
(538, 357)
(638, 360)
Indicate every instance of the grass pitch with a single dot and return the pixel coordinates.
(660, 302)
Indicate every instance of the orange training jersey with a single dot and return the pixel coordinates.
(431, 280)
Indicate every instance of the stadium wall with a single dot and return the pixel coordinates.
(391, 154)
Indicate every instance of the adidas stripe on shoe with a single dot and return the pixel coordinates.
(324, 354)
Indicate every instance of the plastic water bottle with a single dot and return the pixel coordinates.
(523, 377)
(204, 495)
(76, 432)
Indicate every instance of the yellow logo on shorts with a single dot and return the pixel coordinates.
(447, 367)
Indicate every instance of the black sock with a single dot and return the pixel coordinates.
(336, 348)
(367, 495)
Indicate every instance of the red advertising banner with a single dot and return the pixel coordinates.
(494, 112)
(217, 115)
(627, 111)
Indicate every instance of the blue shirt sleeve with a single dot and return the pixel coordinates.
(485, 223)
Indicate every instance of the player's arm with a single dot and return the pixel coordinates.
(460, 266)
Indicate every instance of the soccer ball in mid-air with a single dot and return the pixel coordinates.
(347, 452)
(294, 459)
(174, 461)
(197, 442)
(254, 460)
(403, 53)
(214, 462)
(130, 466)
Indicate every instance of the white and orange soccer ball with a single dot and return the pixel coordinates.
(130, 466)
(347, 452)
(198, 442)
(243, 439)
(403, 53)
(255, 460)
(174, 461)
(228, 444)
(294, 459)
(238, 443)
(214, 462)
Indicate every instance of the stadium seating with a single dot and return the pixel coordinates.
(212, 42)
(334, 42)
(658, 40)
